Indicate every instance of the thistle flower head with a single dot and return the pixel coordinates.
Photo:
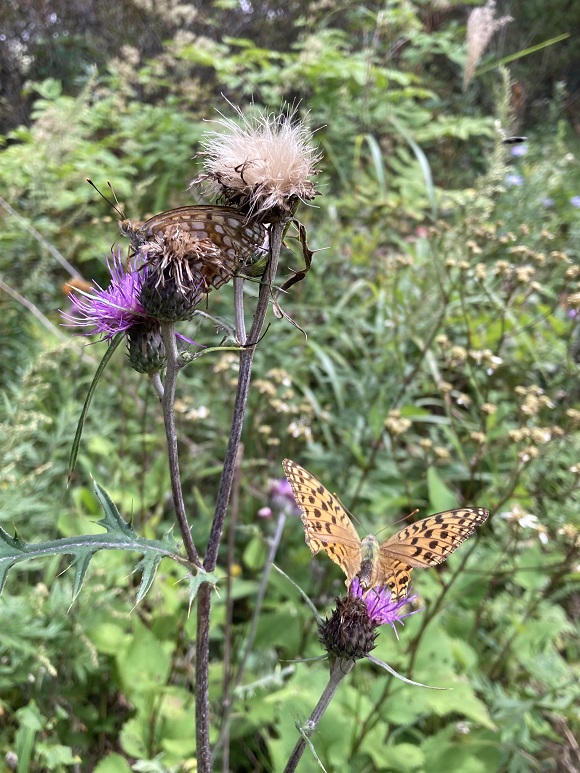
(174, 283)
(349, 631)
(281, 497)
(262, 165)
(120, 309)
(381, 606)
(114, 310)
(145, 348)
(352, 628)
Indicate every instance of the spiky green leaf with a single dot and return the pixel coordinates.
(118, 535)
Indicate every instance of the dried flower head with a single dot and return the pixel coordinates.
(481, 25)
(395, 424)
(261, 166)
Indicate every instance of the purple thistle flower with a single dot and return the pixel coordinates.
(114, 310)
(575, 201)
(282, 498)
(381, 607)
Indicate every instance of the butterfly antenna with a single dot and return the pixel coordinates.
(116, 199)
(352, 516)
(109, 202)
(401, 520)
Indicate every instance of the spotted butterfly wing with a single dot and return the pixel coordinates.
(326, 523)
(421, 545)
(234, 240)
(425, 543)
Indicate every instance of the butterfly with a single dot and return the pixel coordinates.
(232, 240)
(216, 241)
(422, 544)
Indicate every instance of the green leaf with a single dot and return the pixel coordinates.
(440, 497)
(113, 763)
(119, 535)
(403, 757)
(145, 665)
(255, 553)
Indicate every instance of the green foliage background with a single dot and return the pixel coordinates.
(440, 368)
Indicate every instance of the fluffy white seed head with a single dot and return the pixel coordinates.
(261, 164)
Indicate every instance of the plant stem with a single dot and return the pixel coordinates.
(168, 404)
(338, 671)
(274, 542)
(157, 385)
(227, 691)
(240, 321)
(249, 643)
(204, 599)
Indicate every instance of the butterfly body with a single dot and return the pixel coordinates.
(367, 573)
(328, 527)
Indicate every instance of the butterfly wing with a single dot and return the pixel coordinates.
(326, 523)
(424, 544)
(230, 230)
(218, 241)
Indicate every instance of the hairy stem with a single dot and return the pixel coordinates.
(227, 683)
(249, 643)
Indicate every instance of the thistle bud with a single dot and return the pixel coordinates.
(145, 348)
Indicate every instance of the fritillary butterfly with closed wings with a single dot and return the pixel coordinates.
(217, 242)
(231, 241)
(423, 544)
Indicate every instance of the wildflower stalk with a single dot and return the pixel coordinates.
(223, 496)
(168, 404)
(274, 543)
(249, 643)
(240, 321)
(157, 384)
(339, 669)
(227, 677)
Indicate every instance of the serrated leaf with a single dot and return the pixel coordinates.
(197, 579)
(8, 545)
(119, 535)
(112, 520)
(80, 564)
(148, 566)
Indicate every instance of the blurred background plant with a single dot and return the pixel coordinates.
(440, 369)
